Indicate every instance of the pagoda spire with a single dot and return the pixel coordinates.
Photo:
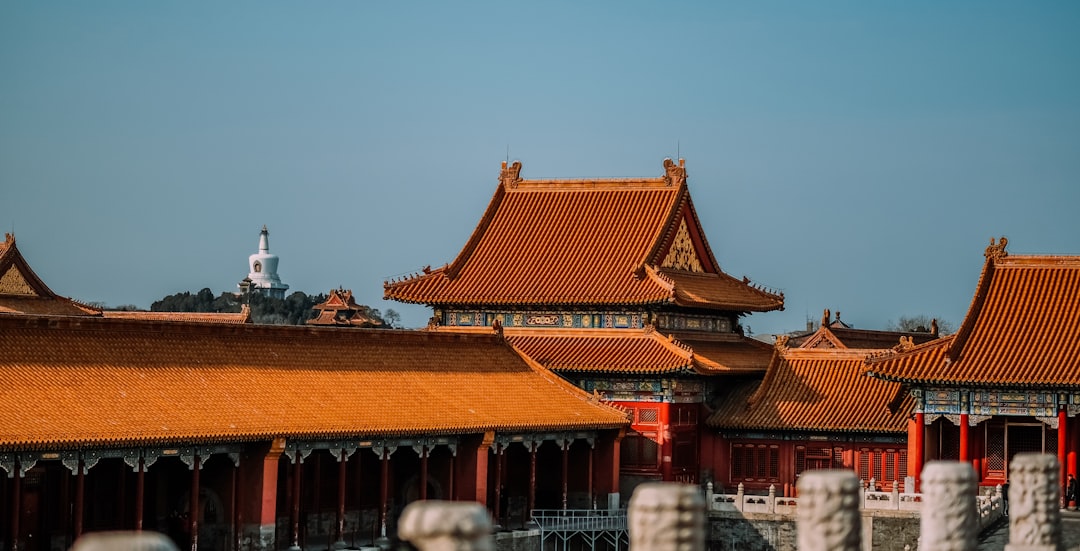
(264, 240)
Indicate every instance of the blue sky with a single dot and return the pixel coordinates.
(857, 156)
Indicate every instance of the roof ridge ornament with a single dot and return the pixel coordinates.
(674, 174)
(997, 252)
(510, 175)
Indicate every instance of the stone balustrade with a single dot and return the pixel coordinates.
(829, 513)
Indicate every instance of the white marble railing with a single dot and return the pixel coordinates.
(989, 506)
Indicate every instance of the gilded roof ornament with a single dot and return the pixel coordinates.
(675, 174)
(997, 252)
(510, 175)
(781, 342)
(906, 343)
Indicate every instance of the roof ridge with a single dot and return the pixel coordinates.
(558, 381)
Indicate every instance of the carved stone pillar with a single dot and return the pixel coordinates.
(828, 516)
(446, 526)
(1034, 517)
(950, 519)
(666, 517)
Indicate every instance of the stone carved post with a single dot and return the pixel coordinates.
(446, 526)
(950, 516)
(828, 517)
(1034, 517)
(666, 516)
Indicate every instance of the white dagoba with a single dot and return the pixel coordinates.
(262, 274)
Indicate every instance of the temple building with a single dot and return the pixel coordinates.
(612, 284)
(341, 310)
(815, 408)
(262, 275)
(1008, 381)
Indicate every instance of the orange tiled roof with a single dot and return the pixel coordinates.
(601, 350)
(727, 353)
(23, 292)
(1022, 329)
(595, 242)
(244, 316)
(816, 390)
(99, 381)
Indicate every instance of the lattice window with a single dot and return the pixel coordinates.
(902, 461)
(949, 440)
(875, 462)
(774, 462)
(995, 450)
(890, 465)
(737, 461)
(648, 416)
(838, 458)
(864, 464)
(800, 459)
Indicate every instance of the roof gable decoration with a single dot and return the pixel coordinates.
(682, 254)
(18, 278)
(13, 283)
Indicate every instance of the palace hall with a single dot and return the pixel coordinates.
(583, 341)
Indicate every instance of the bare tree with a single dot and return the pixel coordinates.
(920, 323)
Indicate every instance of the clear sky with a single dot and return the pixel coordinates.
(856, 155)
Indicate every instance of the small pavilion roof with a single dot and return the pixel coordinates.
(820, 390)
(837, 334)
(612, 242)
(101, 381)
(1022, 329)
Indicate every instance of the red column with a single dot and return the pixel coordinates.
(343, 461)
(920, 436)
(532, 477)
(140, 485)
(565, 472)
(453, 474)
(666, 448)
(473, 468)
(234, 504)
(258, 492)
(964, 441)
(298, 472)
(80, 493)
(384, 489)
(16, 506)
(497, 506)
(193, 509)
(1062, 442)
(589, 470)
(423, 471)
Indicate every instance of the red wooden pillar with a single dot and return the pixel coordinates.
(384, 491)
(193, 508)
(339, 536)
(234, 502)
(80, 494)
(589, 470)
(666, 447)
(298, 473)
(965, 443)
(497, 506)
(1062, 442)
(1070, 450)
(565, 472)
(920, 443)
(140, 485)
(258, 493)
(423, 471)
(16, 505)
(452, 492)
(532, 477)
(473, 468)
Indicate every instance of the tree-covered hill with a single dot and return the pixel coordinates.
(295, 309)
